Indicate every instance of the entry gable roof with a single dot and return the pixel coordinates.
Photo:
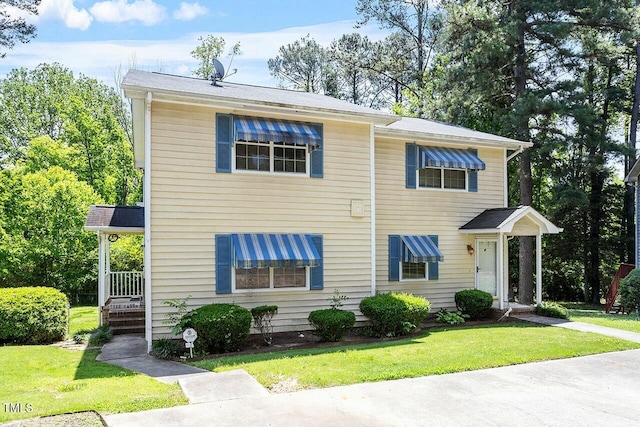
(503, 220)
(115, 219)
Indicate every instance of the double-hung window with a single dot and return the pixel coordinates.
(413, 257)
(256, 144)
(271, 278)
(268, 156)
(442, 168)
(250, 262)
(450, 179)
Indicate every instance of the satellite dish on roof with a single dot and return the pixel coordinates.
(218, 71)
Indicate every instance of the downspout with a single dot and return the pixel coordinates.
(506, 174)
(148, 332)
(372, 168)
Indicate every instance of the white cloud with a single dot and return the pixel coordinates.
(146, 11)
(189, 11)
(99, 59)
(65, 11)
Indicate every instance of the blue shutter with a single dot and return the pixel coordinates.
(317, 157)
(224, 142)
(433, 266)
(473, 175)
(224, 265)
(316, 273)
(395, 248)
(412, 164)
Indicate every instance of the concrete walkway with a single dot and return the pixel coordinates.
(199, 385)
(579, 326)
(583, 391)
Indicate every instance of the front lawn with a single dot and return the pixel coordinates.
(46, 380)
(596, 315)
(434, 352)
(83, 318)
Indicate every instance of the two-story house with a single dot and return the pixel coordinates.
(257, 195)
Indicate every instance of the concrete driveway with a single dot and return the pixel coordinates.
(594, 390)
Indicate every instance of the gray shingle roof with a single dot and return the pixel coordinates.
(423, 128)
(103, 217)
(234, 92)
(491, 218)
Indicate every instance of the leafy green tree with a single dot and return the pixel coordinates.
(15, 29)
(211, 48)
(418, 23)
(44, 242)
(80, 112)
(302, 65)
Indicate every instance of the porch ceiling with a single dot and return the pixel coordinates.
(115, 219)
(514, 221)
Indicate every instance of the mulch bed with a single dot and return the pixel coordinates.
(284, 341)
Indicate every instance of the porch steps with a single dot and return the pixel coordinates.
(515, 309)
(126, 321)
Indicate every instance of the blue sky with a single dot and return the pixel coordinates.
(96, 37)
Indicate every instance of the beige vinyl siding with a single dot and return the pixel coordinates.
(191, 203)
(400, 210)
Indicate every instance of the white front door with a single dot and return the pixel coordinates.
(487, 265)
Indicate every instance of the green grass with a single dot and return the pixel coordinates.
(435, 352)
(82, 319)
(53, 380)
(596, 315)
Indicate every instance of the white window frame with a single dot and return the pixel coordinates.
(415, 279)
(271, 287)
(442, 187)
(272, 145)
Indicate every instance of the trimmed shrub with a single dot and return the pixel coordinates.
(474, 302)
(166, 348)
(221, 328)
(394, 314)
(262, 316)
(630, 289)
(332, 323)
(36, 315)
(552, 309)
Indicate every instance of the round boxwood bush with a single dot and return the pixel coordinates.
(630, 289)
(552, 309)
(474, 302)
(221, 328)
(394, 314)
(332, 324)
(35, 315)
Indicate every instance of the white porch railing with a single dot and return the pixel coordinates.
(125, 284)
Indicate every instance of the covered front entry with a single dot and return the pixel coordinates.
(119, 292)
(492, 228)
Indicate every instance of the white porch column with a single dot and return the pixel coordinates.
(101, 275)
(500, 271)
(505, 271)
(539, 268)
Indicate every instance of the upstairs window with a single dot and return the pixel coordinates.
(451, 179)
(278, 157)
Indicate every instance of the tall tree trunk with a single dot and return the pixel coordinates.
(592, 269)
(525, 285)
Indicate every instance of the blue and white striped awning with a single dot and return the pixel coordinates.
(440, 157)
(258, 129)
(274, 250)
(420, 249)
